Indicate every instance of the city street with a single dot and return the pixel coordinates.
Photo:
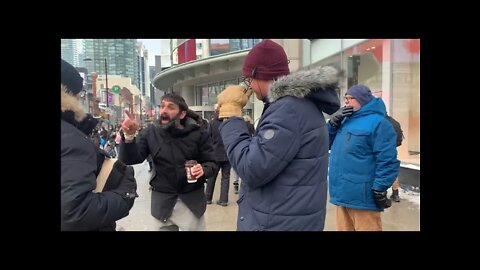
(402, 216)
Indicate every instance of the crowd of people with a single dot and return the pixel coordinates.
(279, 188)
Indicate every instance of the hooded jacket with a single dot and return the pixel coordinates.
(284, 166)
(81, 160)
(170, 148)
(363, 157)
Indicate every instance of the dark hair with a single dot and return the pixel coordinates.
(177, 99)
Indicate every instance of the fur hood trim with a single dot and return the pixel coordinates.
(302, 83)
(71, 103)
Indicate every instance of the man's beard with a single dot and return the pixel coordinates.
(172, 122)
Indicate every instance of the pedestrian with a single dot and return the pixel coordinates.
(395, 197)
(284, 166)
(81, 162)
(177, 203)
(222, 163)
(398, 130)
(363, 161)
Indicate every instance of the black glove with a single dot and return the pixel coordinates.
(381, 199)
(337, 117)
(127, 188)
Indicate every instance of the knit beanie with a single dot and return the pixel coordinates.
(71, 78)
(361, 93)
(266, 61)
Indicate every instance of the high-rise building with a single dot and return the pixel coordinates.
(165, 53)
(143, 69)
(69, 51)
(120, 55)
(79, 43)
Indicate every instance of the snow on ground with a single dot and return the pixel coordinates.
(408, 195)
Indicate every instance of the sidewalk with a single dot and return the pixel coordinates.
(402, 216)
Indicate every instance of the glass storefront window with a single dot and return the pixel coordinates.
(221, 46)
(406, 96)
(213, 91)
(363, 64)
(391, 69)
(206, 95)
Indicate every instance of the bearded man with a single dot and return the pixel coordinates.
(176, 204)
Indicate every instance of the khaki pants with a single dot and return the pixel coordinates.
(395, 184)
(349, 219)
(182, 219)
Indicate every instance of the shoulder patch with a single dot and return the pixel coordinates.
(269, 133)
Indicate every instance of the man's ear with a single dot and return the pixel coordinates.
(183, 114)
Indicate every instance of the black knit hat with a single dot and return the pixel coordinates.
(71, 78)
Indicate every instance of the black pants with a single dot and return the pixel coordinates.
(225, 184)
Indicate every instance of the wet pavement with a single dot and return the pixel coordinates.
(402, 216)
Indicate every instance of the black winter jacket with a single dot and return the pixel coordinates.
(218, 147)
(81, 209)
(169, 150)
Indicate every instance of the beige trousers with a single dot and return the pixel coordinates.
(349, 219)
(182, 219)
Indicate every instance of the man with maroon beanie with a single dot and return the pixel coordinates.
(284, 165)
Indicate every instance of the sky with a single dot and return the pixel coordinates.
(153, 46)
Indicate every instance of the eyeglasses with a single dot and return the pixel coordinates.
(82, 93)
(348, 98)
(247, 81)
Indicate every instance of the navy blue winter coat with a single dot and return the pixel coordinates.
(284, 166)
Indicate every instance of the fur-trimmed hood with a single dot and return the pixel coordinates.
(71, 111)
(318, 85)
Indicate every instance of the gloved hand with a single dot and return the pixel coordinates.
(129, 125)
(381, 199)
(127, 187)
(337, 117)
(231, 101)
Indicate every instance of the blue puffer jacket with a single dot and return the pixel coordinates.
(284, 166)
(363, 157)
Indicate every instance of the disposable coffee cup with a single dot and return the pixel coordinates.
(188, 169)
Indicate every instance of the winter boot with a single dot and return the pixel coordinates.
(395, 196)
(222, 203)
(235, 188)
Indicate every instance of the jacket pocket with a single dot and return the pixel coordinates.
(358, 142)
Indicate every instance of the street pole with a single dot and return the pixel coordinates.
(106, 78)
